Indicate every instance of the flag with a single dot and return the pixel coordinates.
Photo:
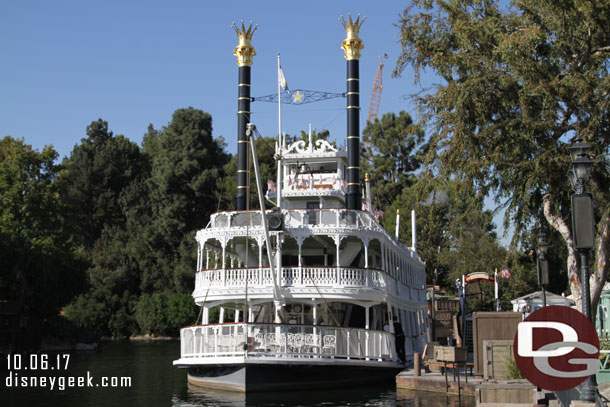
(365, 205)
(377, 213)
(282, 79)
(271, 185)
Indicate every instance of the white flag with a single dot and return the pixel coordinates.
(282, 79)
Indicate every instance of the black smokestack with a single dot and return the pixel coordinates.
(243, 118)
(352, 46)
(244, 53)
(354, 200)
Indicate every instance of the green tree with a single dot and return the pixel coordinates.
(40, 267)
(389, 156)
(518, 84)
(227, 187)
(186, 165)
(98, 170)
(151, 313)
(455, 234)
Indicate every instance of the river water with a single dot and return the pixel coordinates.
(155, 382)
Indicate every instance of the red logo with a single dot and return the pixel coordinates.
(556, 348)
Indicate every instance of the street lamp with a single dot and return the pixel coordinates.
(583, 233)
(543, 264)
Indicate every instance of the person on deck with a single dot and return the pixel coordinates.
(399, 339)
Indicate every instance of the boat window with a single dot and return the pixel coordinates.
(312, 214)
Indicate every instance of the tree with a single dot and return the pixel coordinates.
(40, 266)
(187, 163)
(455, 234)
(519, 84)
(98, 170)
(227, 187)
(390, 156)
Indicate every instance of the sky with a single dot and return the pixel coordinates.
(131, 63)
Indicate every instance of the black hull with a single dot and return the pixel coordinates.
(284, 377)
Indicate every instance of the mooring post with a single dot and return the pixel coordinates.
(416, 364)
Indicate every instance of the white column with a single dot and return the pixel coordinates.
(205, 318)
(276, 310)
(315, 312)
(367, 327)
(224, 264)
(260, 254)
(338, 243)
(397, 223)
(221, 316)
(236, 316)
(198, 257)
(367, 276)
(207, 259)
(250, 314)
(390, 318)
(413, 231)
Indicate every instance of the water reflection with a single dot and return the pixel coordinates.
(156, 383)
(385, 396)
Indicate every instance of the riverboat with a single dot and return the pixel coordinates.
(313, 293)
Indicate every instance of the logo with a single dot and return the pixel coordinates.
(556, 348)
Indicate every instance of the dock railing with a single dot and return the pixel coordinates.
(256, 340)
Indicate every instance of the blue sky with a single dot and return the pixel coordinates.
(67, 63)
(131, 63)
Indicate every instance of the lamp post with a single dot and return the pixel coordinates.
(583, 234)
(543, 264)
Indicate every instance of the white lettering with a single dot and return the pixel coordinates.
(525, 335)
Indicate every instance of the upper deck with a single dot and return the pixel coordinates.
(318, 246)
(337, 253)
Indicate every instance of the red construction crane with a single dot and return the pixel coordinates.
(376, 93)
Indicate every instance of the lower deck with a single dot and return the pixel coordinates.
(218, 343)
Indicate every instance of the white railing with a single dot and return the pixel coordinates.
(293, 277)
(298, 217)
(288, 341)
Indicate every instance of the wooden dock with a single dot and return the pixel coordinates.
(436, 382)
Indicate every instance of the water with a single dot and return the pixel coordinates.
(155, 382)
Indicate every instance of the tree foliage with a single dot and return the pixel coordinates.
(227, 187)
(144, 232)
(389, 155)
(519, 84)
(40, 267)
(98, 170)
(455, 234)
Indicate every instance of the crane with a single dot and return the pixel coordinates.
(376, 93)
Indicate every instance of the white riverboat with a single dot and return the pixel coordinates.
(304, 295)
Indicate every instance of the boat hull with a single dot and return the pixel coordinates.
(252, 377)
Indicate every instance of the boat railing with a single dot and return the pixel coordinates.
(258, 340)
(318, 276)
(296, 218)
(349, 220)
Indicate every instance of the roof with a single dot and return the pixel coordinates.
(538, 294)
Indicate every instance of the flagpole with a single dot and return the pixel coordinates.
(278, 189)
